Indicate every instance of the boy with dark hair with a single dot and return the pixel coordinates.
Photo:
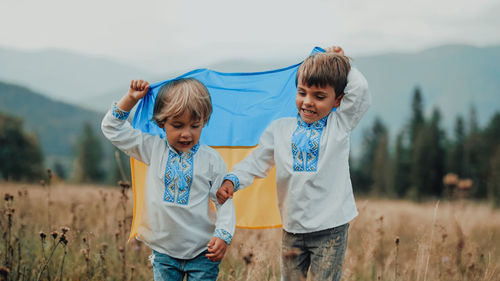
(311, 154)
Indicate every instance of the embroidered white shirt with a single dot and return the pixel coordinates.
(314, 185)
(177, 218)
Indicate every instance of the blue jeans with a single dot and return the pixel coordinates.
(199, 268)
(321, 252)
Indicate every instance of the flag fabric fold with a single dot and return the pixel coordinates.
(244, 104)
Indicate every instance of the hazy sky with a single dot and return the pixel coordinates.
(202, 31)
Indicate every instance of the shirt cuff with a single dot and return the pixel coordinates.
(119, 113)
(224, 235)
(234, 179)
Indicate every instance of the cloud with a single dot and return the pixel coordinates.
(203, 31)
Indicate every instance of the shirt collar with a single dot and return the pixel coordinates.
(315, 125)
(186, 154)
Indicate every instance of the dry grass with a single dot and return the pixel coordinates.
(446, 241)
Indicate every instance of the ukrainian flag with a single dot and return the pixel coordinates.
(244, 104)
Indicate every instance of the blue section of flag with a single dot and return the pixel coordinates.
(244, 104)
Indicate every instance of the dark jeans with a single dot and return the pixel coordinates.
(321, 252)
(199, 268)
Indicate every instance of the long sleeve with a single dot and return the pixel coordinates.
(355, 102)
(257, 164)
(132, 142)
(225, 222)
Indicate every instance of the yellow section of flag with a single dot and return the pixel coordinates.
(256, 206)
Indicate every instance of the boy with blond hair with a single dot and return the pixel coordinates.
(182, 176)
(311, 154)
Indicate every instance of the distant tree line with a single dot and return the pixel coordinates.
(20, 155)
(425, 163)
(21, 158)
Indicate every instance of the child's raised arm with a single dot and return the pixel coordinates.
(138, 89)
(356, 100)
(336, 50)
(116, 128)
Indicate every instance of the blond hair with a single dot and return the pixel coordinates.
(325, 69)
(179, 95)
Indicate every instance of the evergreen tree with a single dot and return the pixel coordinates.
(401, 166)
(360, 181)
(89, 157)
(418, 169)
(474, 162)
(491, 137)
(59, 170)
(417, 120)
(371, 142)
(427, 167)
(437, 153)
(473, 124)
(457, 154)
(20, 154)
(382, 168)
(417, 146)
(494, 178)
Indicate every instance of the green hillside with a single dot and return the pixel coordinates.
(57, 125)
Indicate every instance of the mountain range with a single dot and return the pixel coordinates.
(64, 75)
(60, 89)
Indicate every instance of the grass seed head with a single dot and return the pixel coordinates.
(65, 229)
(450, 179)
(8, 197)
(54, 234)
(248, 258)
(85, 254)
(465, 184)
(124, 184)
(63, 239)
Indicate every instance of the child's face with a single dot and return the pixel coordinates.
(314, 103)
(182, 132)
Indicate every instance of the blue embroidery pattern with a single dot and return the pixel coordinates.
(234, 179)
(179, 176)
(305, 143)
(118, 113)
(224, 235)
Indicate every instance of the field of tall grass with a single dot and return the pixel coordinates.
(79, 232)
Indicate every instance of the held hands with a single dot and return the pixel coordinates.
(336, 50)
(216, 249)
(225, 191)
(138, 89)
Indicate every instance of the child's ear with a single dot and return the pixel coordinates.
(338, 99)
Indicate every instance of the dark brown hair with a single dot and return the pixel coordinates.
(325, 69)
